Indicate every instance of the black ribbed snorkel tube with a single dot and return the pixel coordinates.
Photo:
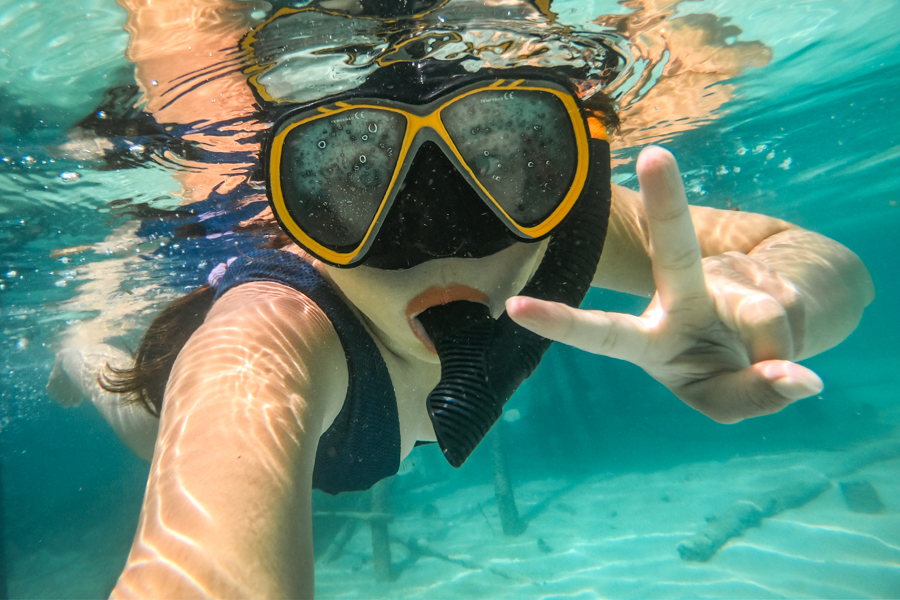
(483, 360)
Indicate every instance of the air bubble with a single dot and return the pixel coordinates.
(373, 127)
(362, 158)
(69, 176)
(486, 153)
(537, 127)
(364, 137)
(322, 144)
(531, 164)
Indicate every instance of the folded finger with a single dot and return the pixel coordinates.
(767, 279)
(760, 319)
(610, 334)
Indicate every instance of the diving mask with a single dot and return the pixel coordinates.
(336, 166)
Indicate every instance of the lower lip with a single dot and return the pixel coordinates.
(436, 296)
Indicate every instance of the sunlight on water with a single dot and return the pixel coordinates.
(787, 108)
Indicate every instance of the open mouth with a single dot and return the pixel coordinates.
(436, 296)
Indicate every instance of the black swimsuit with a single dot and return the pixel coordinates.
(362, 446)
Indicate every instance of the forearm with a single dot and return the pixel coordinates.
(76, 375)
(227, 512)
(833, 282)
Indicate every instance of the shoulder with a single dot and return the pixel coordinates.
(268, 329)
(271, 313)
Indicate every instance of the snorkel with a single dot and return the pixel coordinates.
(483, 359)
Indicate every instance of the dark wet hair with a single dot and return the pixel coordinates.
(145, 382)
(603, 108)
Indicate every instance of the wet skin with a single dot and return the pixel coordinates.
(227, 510)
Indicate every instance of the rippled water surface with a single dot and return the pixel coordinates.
(613, 473)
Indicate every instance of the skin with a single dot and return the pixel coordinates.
(227, 511)
(736, 299)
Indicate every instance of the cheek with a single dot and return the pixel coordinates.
(380, 295)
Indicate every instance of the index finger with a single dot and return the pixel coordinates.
(674, 251)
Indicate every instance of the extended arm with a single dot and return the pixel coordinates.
(227, 511)
(737, 298)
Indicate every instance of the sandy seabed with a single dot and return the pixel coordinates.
(605, 536)
(618, 536)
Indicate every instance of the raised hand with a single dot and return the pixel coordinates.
(719, 333)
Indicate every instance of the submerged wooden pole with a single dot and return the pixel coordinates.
(381, 542)
(4, 589)
(512, 523)
(801, 486)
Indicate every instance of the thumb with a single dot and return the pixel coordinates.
(760, 389)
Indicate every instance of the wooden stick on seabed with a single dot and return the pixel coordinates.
(800, 486)
(803, 486)
(421, 548)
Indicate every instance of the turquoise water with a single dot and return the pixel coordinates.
(813, 138)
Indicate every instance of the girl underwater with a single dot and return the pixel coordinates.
(444, 204)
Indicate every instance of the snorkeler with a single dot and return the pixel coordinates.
(444, 220)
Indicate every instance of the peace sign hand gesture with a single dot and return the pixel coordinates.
(717, 330)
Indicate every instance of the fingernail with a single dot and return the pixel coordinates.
(795, 389)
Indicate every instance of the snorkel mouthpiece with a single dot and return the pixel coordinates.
(483, 362)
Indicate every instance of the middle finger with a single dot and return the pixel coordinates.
(674, 251)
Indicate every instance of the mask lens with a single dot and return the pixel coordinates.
(520, 145)
(335, 172)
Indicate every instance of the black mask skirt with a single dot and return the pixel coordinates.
(418, 228)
